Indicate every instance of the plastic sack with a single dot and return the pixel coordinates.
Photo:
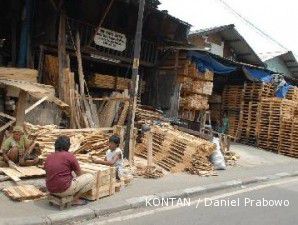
(217, 157)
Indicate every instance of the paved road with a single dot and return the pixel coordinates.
(274, 203)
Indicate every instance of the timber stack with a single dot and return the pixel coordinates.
(196, 86)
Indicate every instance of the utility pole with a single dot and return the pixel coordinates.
(134, 84)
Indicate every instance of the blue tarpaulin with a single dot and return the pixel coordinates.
(257, 75)
(205, 61)
(283, 90)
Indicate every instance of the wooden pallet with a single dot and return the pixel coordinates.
(24, 192)
(173, 150)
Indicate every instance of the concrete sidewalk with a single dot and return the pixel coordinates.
(254, 166)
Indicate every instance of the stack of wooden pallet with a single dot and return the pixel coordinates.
(174, 150)
(232, 97)
(248, 127)
(292, 94)
(234, 122)
(288, 140)
(257, 91)
(105, 180)
(271, 113)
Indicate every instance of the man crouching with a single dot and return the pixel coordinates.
(63, 173)
(18, 149)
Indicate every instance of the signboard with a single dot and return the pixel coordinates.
(110, 39)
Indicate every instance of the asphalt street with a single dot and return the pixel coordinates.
(274, 203)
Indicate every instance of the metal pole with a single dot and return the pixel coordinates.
(134, 83)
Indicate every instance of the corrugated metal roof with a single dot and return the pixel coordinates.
(229, 33)
(291, 62)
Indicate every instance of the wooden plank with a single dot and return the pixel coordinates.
(149, 149)
(20, 111)
(12, 173)
(36, 104)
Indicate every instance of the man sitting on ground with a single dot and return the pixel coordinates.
(18, 149)
(114, 156)
(63, 173)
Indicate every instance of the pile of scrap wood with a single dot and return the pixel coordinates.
(200, 165)
(174, 150)
(151, 172)
(231, 158)
(83, 141)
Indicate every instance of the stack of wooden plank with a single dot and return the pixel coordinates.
(105, 180)
(22, 74)
(109, 82)
(194, 102)
(174, 150)
(271, 113)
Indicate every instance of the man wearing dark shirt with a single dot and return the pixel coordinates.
(63, 173)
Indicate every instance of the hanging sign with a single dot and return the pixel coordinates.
(110, 39)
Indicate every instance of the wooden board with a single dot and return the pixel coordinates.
(12, 173)
(24, 192)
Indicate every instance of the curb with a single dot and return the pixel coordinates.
(139, 202)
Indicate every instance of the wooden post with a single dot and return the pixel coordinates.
(40, 63)
(21, 107)
(135, 82)
(61, 55)
(149, 149)
(80, 65)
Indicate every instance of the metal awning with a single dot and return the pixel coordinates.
(235, 40)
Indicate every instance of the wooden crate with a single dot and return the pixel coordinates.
(105, 178)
